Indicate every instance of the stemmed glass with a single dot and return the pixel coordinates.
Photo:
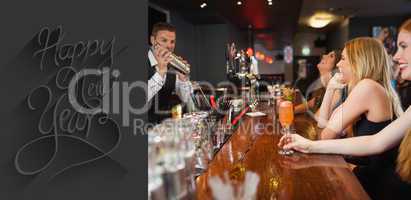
(271, 92)
(201, 139)
(286, 117)
(168, 139)
(156, 186)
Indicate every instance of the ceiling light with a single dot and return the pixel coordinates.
(239, 3)
(203, 5)
(320, 20)
(306, 51)
(270, 3)
(270, 0)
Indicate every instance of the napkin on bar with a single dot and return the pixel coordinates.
(224, 189)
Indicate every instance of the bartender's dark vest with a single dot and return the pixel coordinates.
(164, 100)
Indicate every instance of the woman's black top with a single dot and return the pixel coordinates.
(377, 173)
(361, 128)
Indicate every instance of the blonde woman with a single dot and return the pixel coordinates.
(383, 182)
(372, 102)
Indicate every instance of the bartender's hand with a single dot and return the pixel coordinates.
(182, 77)
(163, 57)
(296, 142)
(182, 60)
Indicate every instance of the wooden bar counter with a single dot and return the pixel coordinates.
(253, 147)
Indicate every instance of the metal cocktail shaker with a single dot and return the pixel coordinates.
(178, 64)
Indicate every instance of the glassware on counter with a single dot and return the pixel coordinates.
(286, 118)
(156, 187)
(179, 151)
(201, 139)
(167, 140)
(271, 92)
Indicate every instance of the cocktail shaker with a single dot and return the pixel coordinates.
(178, 63)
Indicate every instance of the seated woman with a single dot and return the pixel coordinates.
(316, 90)
(380, 180)
(372, 102)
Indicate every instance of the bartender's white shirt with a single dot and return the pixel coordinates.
(183, 88)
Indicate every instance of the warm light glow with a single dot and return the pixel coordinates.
(320, 20)
(239, 3)
(269, 60)
(259, 55)
(203, 5)
(262, 56)
(250, 51)
(270, 3)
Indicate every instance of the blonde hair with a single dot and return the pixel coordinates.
(404, 155)
(369, 59)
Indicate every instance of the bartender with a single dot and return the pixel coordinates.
(166, 87)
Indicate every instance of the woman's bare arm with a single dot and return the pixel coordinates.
(360, 100)
(384, 140)
(367, 145)
(331, 97)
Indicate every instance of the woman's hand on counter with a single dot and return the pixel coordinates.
(296, 142)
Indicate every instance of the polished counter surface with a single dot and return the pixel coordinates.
(253, 148)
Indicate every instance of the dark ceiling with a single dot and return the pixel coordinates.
(275, 24)
(282, 15)
(191, 10)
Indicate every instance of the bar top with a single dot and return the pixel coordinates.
(300, 176)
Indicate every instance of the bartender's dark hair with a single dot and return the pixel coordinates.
(161, 26)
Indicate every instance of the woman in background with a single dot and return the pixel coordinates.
(316, 90)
